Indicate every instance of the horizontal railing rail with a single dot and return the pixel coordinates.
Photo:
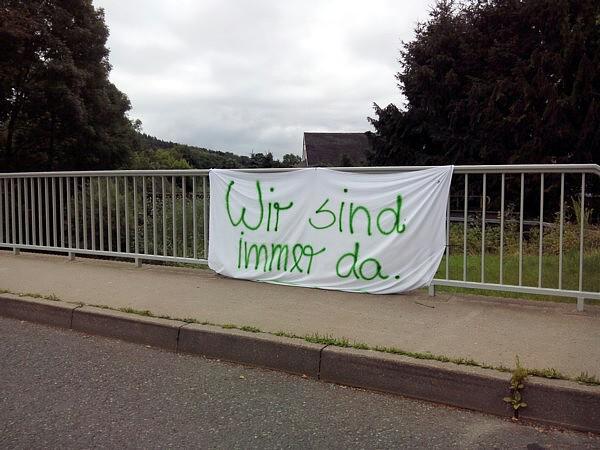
(538, 231)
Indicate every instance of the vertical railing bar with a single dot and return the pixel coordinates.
(448, 238)
(174, 220)
(154, 238)
(28, 212)
(145, 209)
(69, 233)
(100, 214)
(582, 220)
(20, 209)
(40, 214)
(3, 238)
(194, 231)
(92, 215)
(108, 215)
(12, 208)
(204, 218)
(561, 228)
(135, 217)
(164, 216)
(9, 237)
(76, 201)
(118, 214)
(126, 195)
(62, 211)
(2, 215)
(183, 219)
(84, 213)
(7, 209)
(47, 211)
(54, 225)
(521, 229)
(465, 207)
(483, 212)
(541, 240)
(501, 277)
(33, 212)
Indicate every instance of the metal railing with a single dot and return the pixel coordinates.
(163, 215)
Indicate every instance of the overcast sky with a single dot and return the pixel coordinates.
(253, 75)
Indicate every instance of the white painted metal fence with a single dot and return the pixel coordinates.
(163, 215)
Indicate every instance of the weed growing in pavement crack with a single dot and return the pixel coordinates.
(585, 378)
(519, 375)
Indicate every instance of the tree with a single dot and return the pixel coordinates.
(161, 158)
(291, 160)
(497, 81)
(58, 110)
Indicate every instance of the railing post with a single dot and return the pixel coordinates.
(431, 290)
(580, 303)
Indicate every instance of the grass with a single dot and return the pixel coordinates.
(530, 263)
(530, 273)
(586, 378)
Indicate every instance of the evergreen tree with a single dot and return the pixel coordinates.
(495, 82)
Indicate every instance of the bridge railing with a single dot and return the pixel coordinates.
(528, 229)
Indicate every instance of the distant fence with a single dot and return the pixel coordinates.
(537, 232)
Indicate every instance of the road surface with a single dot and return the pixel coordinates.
(62, 389)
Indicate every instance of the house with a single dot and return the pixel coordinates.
(335, 149)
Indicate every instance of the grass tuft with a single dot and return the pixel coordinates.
(585, 378)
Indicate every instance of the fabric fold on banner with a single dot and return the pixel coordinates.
(322, 228)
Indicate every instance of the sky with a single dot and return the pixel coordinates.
(253, 75)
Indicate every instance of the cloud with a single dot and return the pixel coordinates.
(247, 75)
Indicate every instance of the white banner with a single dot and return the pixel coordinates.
(377, 233)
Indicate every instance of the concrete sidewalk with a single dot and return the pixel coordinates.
(488, 330)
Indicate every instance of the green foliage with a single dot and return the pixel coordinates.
(549, 372)
(161, 158)
(517, 379)
(586, 378)
(158, 154)
(250, 329)
(496, 82)
(58, 109)
(290, 160)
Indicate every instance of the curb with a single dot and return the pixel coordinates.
(555, 402)
(562, 403)
(462, 386)
(161, 333)
(256, 349)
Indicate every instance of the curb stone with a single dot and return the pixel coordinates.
(161, 333)
(556, 402)
(463, 386)
(563, 403)
(258, 349)
(48, 312)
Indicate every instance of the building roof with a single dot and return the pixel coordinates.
(335, 149)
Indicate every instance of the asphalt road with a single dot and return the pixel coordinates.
(62, 389)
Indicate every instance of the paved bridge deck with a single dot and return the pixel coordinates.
(489, 330)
